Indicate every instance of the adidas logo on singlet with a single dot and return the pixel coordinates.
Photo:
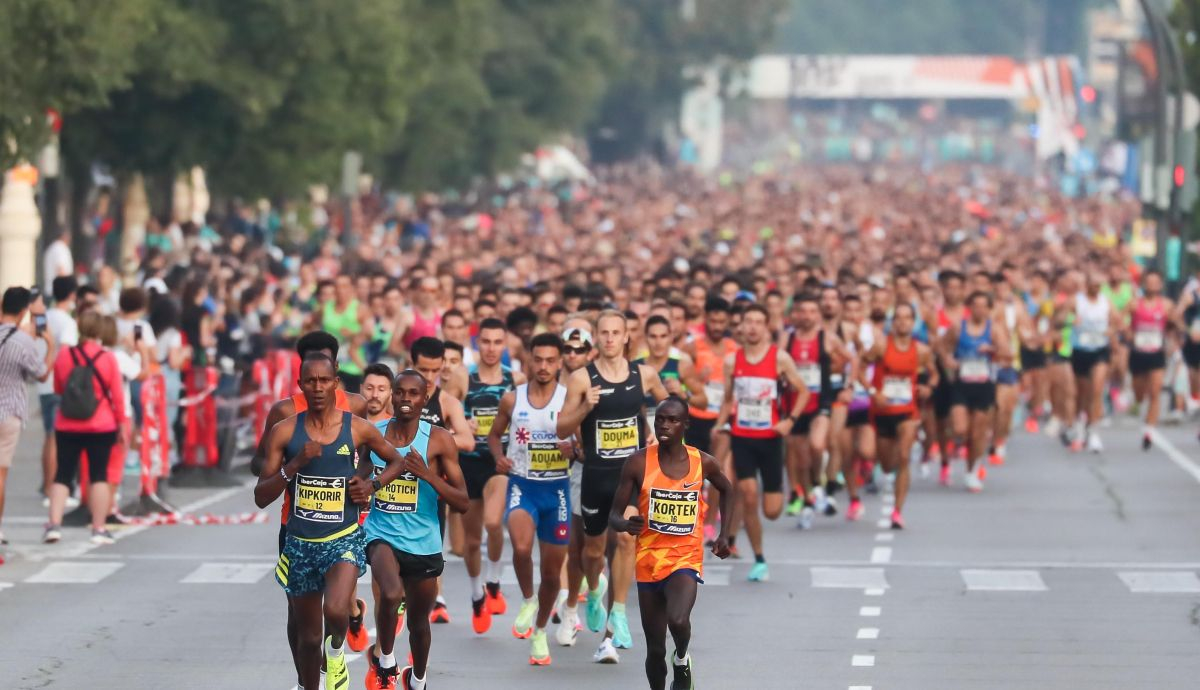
(344, 450)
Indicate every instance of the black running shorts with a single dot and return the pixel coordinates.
(759, 457)
(600, 480)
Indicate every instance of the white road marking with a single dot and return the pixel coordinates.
(717, 574)
(1161, 583)
(5, 585)
(862, 660)
(1003, 581)
(870, 611)
(885, 536)
(228, 573)
(1177, 456)
(881, 554)
(860, 687)
(884, 523)
(63, 572)
(873, 591)
(1040, 565)
(868, 634)
(848, 578)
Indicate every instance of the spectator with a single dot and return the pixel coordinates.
(88, 420)
(19, 364)
(57, 262)
(132, 373)
(135, 339)
(60, 321)
(172, 354)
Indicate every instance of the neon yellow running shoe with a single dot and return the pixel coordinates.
(336, 675)
(523, 626)
(539, 654)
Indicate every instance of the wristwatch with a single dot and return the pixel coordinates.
(375, 485)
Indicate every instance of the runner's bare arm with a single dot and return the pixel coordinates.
(280, 411)
(365, 434)
(519, 378)
(925, 361)
(456, 423)
(946, 345)
(652, 383)
(718, 480)
(358, 405)
(727, 402)
(578, 404)
(495, 441)
(445, 475)
(696, 397)
(631, 480)
(271, 483)
(455, 384)
(787, 367)
(1001, 341)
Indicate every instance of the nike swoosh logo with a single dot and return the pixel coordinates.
(688, 486)
(629, 388)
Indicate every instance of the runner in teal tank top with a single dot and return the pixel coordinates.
(404, 539)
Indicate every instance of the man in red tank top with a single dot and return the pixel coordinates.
(752, 409)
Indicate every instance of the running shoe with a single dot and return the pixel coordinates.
(596, 615)
(356, 632)
(1076, 445)
(102, 537)
(618, 623)
(606, 653)
(1146, 442)
(935, 452)
(439, 614)
(1094, 445)
(944, 475)
(995, 460)
(818, 499)
(1031, 425)
(405, 680)
(682, 678)
(400, 615)
(568, 629)
(52, 535)
(794, 506)
(806, 517)
(981, 469)
(855, 511)
(897, 520)
(559, 601)
(495, 600)
(831, 506)
(377, 677)
(523, 625)
(973, 483)
(481, 616)
(925, 468)
(539, 650)
(759, 573)
(1053, 427)
(734, 553)
(336, 675)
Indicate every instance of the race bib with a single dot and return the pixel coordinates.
(1147, 340)
(616, 439)
(975, 370)
(320, 499)
(546, 461)
(1043, 325)
(715, 392)
(484, 418)
(755, 398)
(1092, 341)
(400, 496)
(836, 380)
(673, 512)
(810, 374)
(898, 390)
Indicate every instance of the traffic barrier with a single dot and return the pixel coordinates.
(260, 517)
(155, 446)
(200, 417)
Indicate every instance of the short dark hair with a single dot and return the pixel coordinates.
(521, 316)
(132, 299)
(715, 304)
(409, 372)
(451, 345)
(16, 300)
(378, 369)
(557, 309)
(85, 290)
(63, 287)
(657, 320)
(452, 313)
(547, 340)
(491, 324)
(428, 347)
(755, 306)
(319, 357)
(977, 294)
(311, 344)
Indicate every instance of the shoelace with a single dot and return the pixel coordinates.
(387, 677)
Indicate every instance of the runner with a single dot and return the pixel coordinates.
(489, 381)
(667, 481)
(1147, 360)
(751, 404)
(1011, 313)
(1119, 291)
(604, 401)
(857, 442)
(539, 487)
(404, 541)
(952, 311)
(1187, 314)
(898, 358)
(1034, 345)
(311, 456)
(971, 350)
(673, 366)
(841, 372)
(1091, 351)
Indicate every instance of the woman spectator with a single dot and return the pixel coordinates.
(95, 433)
(197, 321)
(171, 352)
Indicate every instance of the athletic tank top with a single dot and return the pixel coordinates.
(481, 404)
(896, 379)
(405, 512)
(670, 370)
(756, 395)
(334, 322)
(321, 505)
(860, 399)
(674, 510)
(1149, 325)
(423, 327)
(713, 360)
(612, 431)
(533, 440)
(813, 364)
(973, 366)
(341, 402)
(432, 412)
(1090, 330)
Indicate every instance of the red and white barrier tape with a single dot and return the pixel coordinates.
(259, 517)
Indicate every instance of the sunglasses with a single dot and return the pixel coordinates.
(578, 350)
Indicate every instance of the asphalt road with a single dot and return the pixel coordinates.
(1067, 572)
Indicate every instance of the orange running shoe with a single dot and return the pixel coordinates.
(481, 616)
(378, 678)
(1031, 425)
(495, 600)
(439, 614)
(356, 632)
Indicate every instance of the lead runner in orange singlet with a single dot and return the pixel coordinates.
(668, 481)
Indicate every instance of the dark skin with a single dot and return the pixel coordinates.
(669, 608)
(441, 471)
(328, 610)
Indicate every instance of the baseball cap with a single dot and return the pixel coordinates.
(580, 334)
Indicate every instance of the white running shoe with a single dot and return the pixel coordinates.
(973, 482)
(606, 653)
(568, 629)
(819, 499)
(1053, 427)
(806, 517)
(1093, 443)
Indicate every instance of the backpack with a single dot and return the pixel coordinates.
(79, 395)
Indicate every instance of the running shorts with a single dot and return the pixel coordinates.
(476, 473)
(547, 503)
(660, 585)
(412, 566)
(1146, 362)
(1007, 376)
(857, 418)
(1191, 354)
(699, 434)
(596, 493)
(1032, 359)
(943, 398)
(888, 425)
(302, 566)
(759, 457)
(803, 424)
(976, 397)
(1083, 361)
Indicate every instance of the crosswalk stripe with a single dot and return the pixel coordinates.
(1183, 582)
(228, 573)
(1003, 580)
(848, 578)
(64, 572)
